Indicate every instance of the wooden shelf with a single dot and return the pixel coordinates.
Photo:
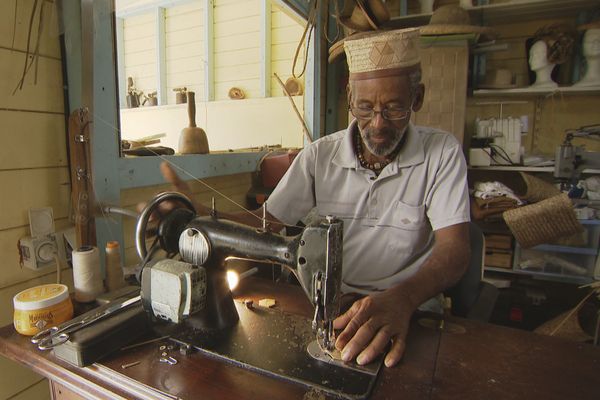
(568, 90)
(566, 249)
(542, 275)
(517, 168)
(515, 10)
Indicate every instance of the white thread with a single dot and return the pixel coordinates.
(114, 271)
(86, 274)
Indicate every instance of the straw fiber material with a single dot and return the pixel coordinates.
(537, 189)
(383, 50)
(542, 222)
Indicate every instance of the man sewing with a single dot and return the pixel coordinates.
(400, 189)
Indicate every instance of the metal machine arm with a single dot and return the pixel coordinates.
(314, 256)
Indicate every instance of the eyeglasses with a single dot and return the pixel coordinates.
(390, 114)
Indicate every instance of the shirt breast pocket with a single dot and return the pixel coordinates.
(404, 216)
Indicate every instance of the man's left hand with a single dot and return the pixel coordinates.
(370, 324)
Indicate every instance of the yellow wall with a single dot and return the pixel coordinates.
(285, 35)
(254, 121)
(237, 47)
(139, 48)
(184, 46)
(237, 59)
(33, 164)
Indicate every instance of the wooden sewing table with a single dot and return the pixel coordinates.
(484, 362)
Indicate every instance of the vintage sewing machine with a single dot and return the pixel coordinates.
(570, 160)
(193, 294)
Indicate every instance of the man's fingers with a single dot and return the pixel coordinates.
(395, 354)
(341, 321)
(360, 338)
(350, 321)
(376, 347)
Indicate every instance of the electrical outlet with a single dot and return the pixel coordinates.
(37, 253)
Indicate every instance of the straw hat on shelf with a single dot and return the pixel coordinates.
(359, 17)
(364, 15)
(453, 20)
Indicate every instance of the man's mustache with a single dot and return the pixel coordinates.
(386, 132)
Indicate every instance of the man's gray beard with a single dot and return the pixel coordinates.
(384, 149)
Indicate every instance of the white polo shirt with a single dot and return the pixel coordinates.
(388, 220)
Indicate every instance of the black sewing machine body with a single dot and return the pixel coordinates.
(269, 341)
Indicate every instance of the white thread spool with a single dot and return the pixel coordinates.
(114, 271)
(86, 274)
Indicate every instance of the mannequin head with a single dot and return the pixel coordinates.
(591, 43)
(591, 52)
(538, 56)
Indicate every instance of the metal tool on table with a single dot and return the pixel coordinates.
(57, 335)
(195, 293)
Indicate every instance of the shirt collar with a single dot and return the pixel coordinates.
(412, 152)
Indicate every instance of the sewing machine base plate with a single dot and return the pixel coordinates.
(275, 343)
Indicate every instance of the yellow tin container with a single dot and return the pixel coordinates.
(41, 307)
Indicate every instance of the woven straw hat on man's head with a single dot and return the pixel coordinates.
(453, 20)
(384, 53)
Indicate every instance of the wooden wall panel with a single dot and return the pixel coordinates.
(16, 377)
(229, 58)
(45, 95)
(227, 10)
(184, 47)
(285, 36)
(236, 32)
(34, 141)
(38, 391)
(49, 46)
(139, 49)
(37, 187)
(33, 161)
(236, 26)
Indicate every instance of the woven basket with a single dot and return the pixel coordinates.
(543, 221)
(537, 189)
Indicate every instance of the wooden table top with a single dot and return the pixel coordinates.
(482, 362)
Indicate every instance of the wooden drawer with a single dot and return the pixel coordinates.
(498, 241)
(498, 258)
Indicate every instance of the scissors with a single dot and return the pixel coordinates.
(57, 335)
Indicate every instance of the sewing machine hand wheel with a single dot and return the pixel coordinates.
(175, 220)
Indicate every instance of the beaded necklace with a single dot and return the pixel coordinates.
(376, 167)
